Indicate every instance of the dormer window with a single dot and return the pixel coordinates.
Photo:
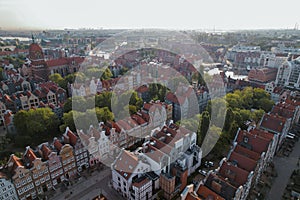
(246, 139)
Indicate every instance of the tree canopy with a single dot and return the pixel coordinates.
(36, 125)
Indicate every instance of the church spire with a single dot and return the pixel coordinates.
(32, 38)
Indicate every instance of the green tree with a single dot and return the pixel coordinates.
(205, 121)
(68, 121)
(38, 125)
(104, 114)
(56, 78)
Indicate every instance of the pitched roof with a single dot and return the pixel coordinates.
(45, 151)
(64, 61)
(206, 193)
(70, 137)
(16, 162)
(57, 144)
(29, 154)
(242, 161)
(247, 152)
(255, 140)
(220, 186)
(273, 123)
(126, 163)
(284, 110)
(236, 176)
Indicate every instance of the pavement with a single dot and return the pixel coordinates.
(284, 167)
(87, 189)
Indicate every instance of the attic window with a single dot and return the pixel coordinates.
(246, 139)
(130, 167)
(234, 162)
(125, 174)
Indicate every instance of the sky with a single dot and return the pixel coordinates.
(168, 14)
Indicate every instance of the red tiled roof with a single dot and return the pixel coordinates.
(34, 48)
(29, 154)
(46, 151)
(191, 196)
(142, 89)
(273, 123)
(114, 125)
(243, 161)
(121, 123)
(72, 137)
(246, 152)
(153, 153)
(284, 110)
(206, 193)
(57, 144)
(64, 61)
(138, 119)
(16, 161)
(171, 97)
(235, 175)
(256, 140)
(94, 133)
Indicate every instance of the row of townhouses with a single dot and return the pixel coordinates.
(19, 93)
(252, 151)
(41, 169)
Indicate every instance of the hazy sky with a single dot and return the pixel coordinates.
(174, 14)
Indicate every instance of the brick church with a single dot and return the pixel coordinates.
(40, 68)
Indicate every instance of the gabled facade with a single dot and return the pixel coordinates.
(22, 179)
(39, 170)
(126, 166)
(54, 164)
(66, 153)
(80, 151)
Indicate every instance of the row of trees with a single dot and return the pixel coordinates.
(241, 106)
(104, 104)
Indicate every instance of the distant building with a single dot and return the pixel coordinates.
(262, 75)
(289, 74)
(41, 68)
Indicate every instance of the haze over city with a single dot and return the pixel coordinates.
(114, 14)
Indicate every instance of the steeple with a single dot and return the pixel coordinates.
(32, 38)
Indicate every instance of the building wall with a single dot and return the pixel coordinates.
(167, 184)
(55, 169)
(24, 184)
(41, 176)
(7, 190)
(68, 161)
(142, 193)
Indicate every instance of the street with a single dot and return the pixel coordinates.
(284, 167)
(86, 189)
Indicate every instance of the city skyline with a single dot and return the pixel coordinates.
(218, 15)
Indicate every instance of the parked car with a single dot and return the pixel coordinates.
(208, 164)
(202, 172)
